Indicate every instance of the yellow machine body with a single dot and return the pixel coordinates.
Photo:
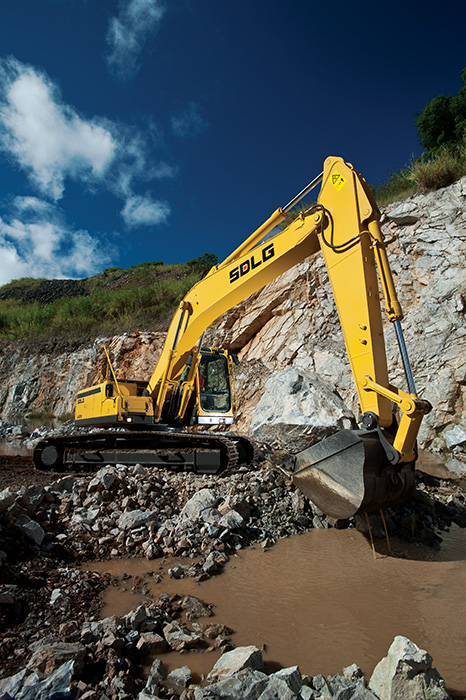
(364, 470)
(109, 404)
(126, 403)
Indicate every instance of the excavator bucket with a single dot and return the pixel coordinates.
(349, 473)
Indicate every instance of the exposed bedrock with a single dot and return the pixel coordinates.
(292, 324)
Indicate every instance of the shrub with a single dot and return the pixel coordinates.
(441, 171)
(398, 186)
(442, 122)
(203, 263)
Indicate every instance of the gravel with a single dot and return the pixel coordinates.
(49, 606)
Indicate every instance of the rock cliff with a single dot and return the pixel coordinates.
(292, 323)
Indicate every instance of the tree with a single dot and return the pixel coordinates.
(203, 263)
(443, 120)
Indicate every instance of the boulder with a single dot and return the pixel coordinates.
(180, 677)
(406, 673)
(64, 485)
(296, 410)
(34, 531)
(233, 661)
(319, 684)
(455, 467)
(291, 676)
(231, 521)
(108, 477)
(6, 499)
(59, 599)
(456, 436)
(55, 686)
(180, 638)
(136, 518)
(277, 689)
(195, 608)
(356, 691)
(199, 506)
(246, 684)
(49, 655)
(135, 618)
(306, 693)
(353, 672)
(151, 643)
(156, 674)
(11, 685)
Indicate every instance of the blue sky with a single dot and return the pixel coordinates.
(134, 130)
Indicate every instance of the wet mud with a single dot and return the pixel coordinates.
(322, 601)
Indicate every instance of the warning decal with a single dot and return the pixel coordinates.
(338, 181)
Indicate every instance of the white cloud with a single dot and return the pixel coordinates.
(31, 204)
(53, 143)
(127, 34)
(163, 171)
(189, 122)
(12, 267)
(47, 137)
(144, 211)
(43, 246)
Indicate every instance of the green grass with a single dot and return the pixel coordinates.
(424, 174)
(133, 306)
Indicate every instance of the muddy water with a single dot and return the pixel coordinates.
(322, 601)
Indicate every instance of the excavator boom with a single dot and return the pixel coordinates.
(350, 472)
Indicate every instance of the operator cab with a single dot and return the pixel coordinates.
(215, 404)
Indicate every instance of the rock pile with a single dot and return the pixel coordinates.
(49, 607)
(406, 672)
(136, 511)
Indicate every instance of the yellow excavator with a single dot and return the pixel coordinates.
(353, 471)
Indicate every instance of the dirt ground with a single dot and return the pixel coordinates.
(18, 471)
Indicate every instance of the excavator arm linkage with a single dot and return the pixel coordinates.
(352, 471)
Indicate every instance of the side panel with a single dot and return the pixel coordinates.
(94, 406)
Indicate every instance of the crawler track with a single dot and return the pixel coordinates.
(203, 453)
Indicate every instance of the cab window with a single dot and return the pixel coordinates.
(214, 383)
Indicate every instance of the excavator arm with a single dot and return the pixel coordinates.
(356, 260)
(354, 471)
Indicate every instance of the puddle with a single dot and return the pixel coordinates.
(33, 422)
(321, 601)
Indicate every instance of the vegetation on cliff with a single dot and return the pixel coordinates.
(441, 130)
(116, 300)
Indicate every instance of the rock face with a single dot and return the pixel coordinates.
(292, 324)
(293, 321)
(46, 377)
(296, 410)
